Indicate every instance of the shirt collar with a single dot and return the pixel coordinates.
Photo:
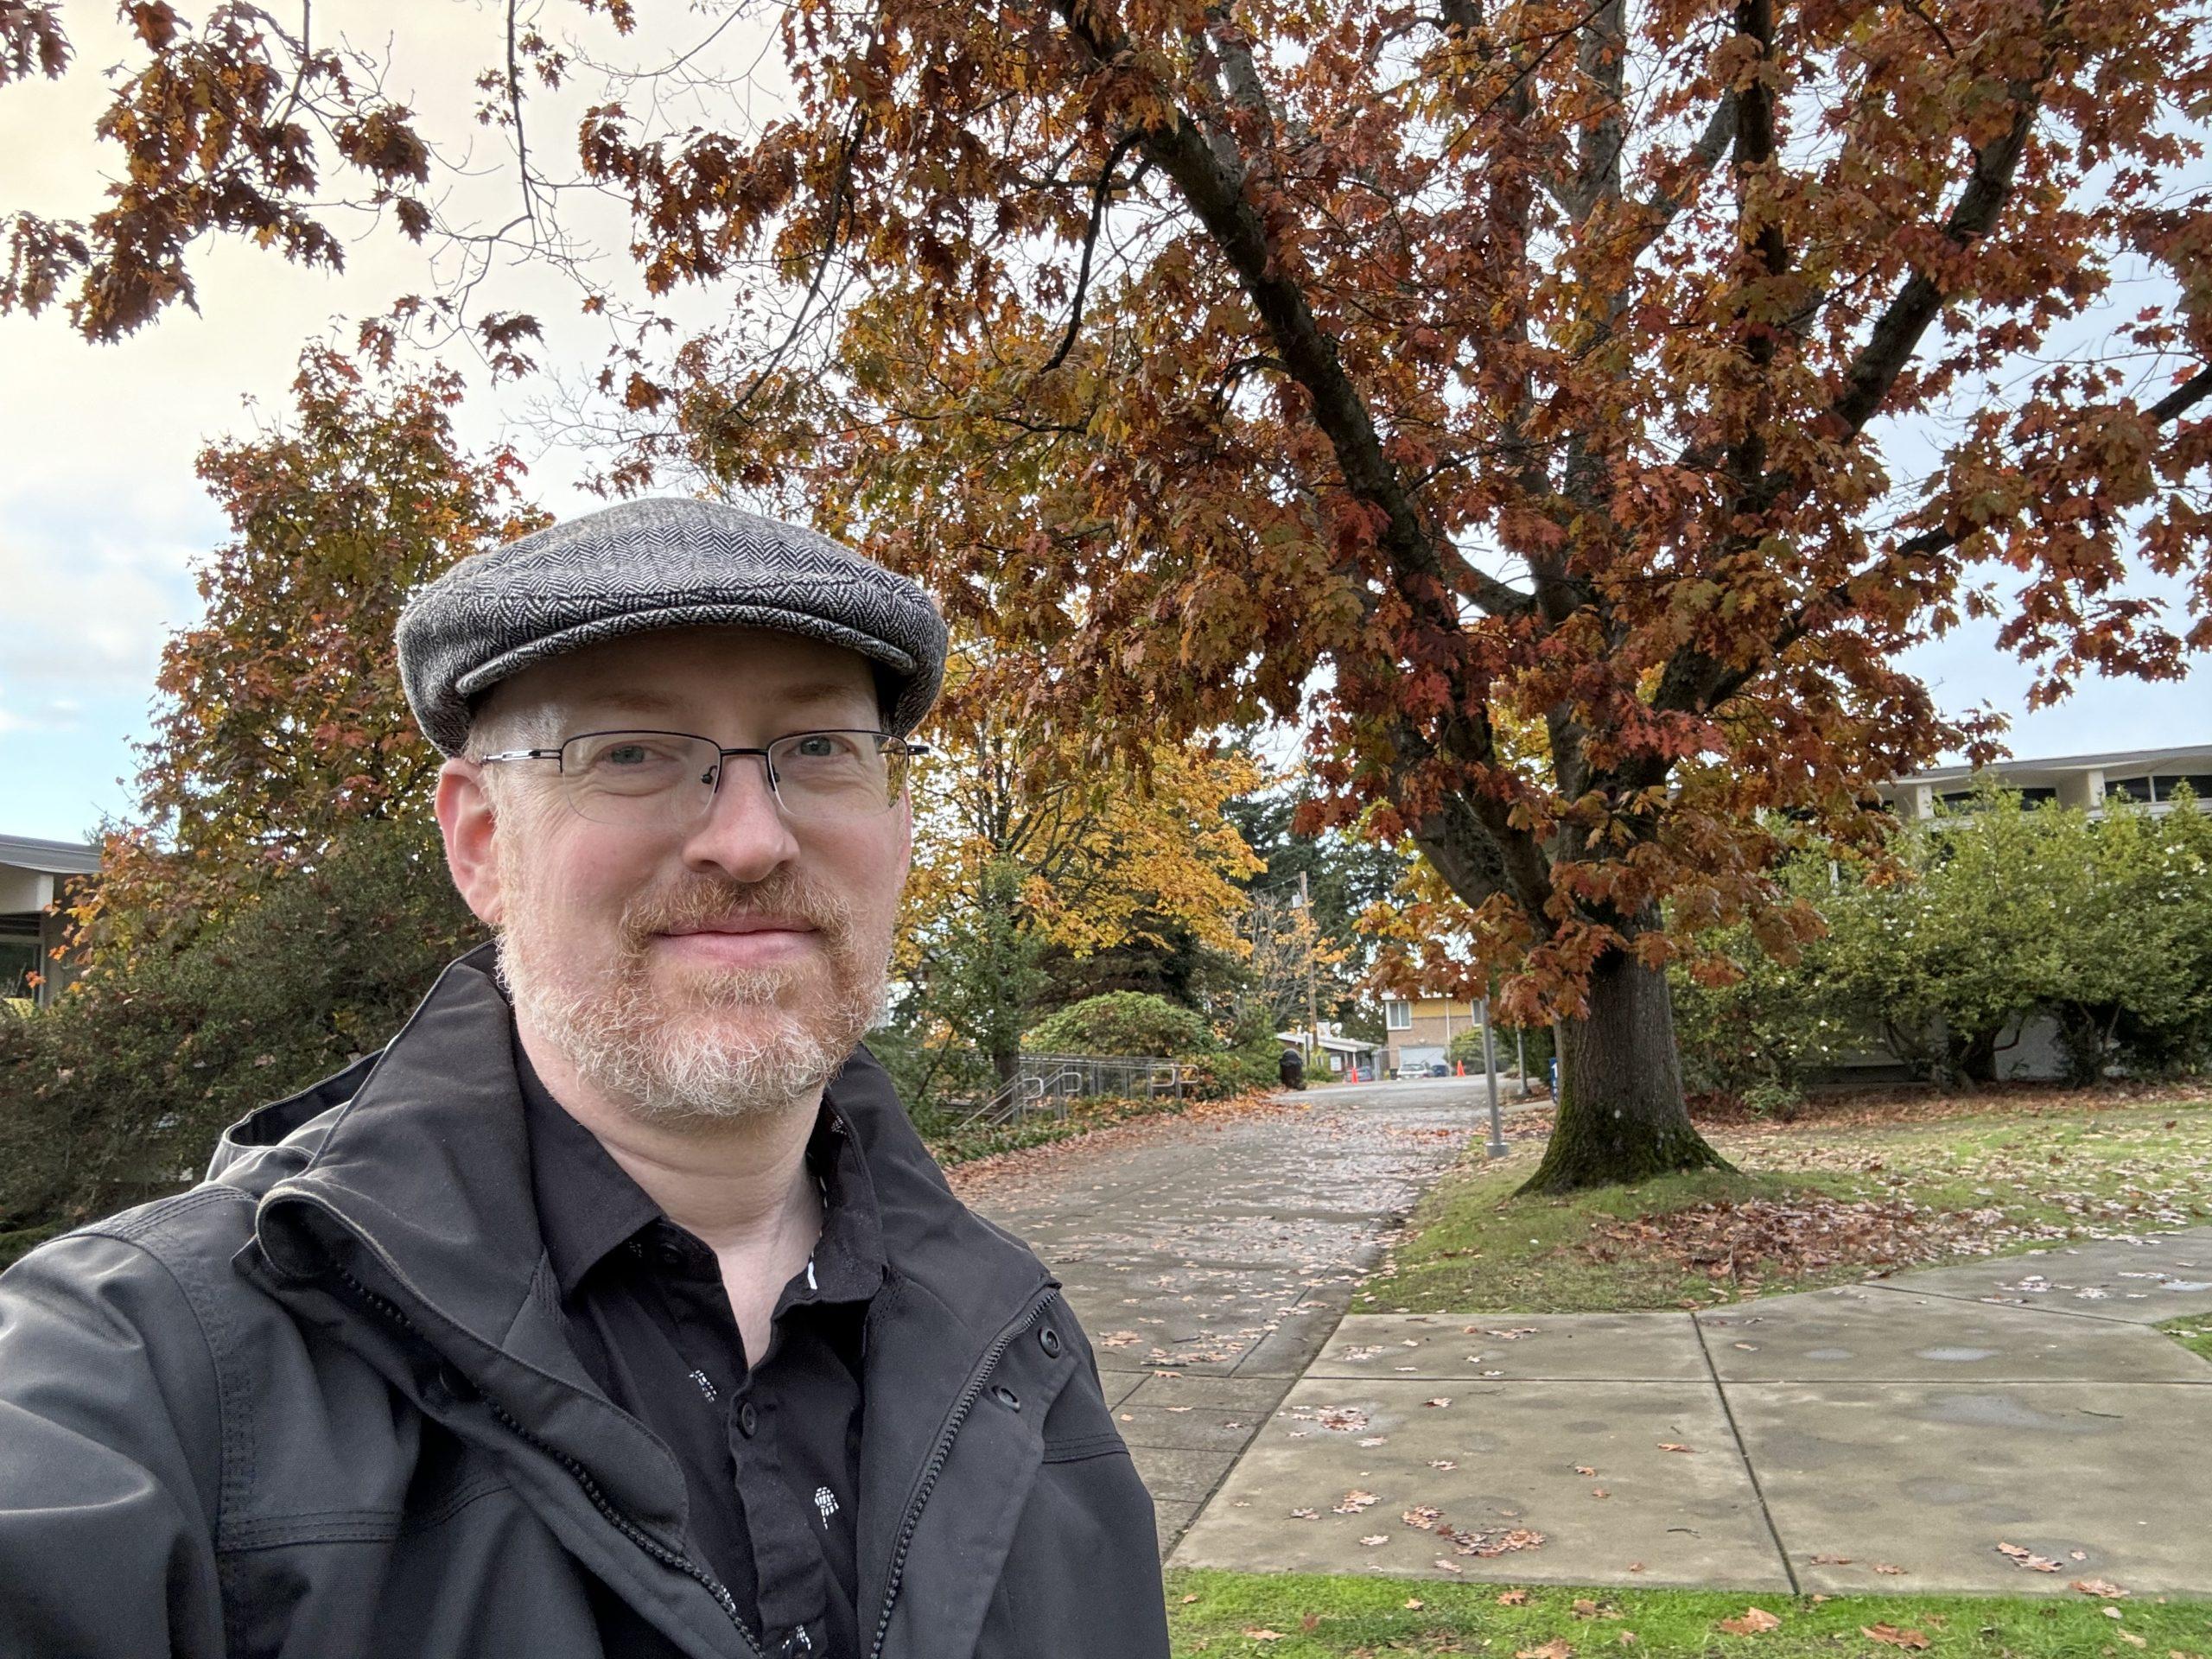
(589, 1206)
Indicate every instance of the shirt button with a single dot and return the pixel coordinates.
(1007, 1398)
(747, 1419)
(1049, 1340)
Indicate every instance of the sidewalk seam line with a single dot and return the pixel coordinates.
(1735, 1433)
(2022, 1307)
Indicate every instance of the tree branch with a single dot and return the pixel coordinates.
(1898, 332)
(1215, 194)
(1099, 192)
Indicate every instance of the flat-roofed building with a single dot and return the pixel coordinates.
(33, 873)
(2147, 777)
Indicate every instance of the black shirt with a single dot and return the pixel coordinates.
(770, 1449)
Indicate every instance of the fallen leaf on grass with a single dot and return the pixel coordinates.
(1754, 1621)
(1355, 1501)
(1415, 1603)
(1422, 1516)
(2028, 1559)
(1557, 1648)
(1374, 1538)
(1188, 1600)
(2104, 1587)
(1512, 1598)
(1253, 1633)
(1890, 1636)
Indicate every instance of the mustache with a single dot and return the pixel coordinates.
(707, 900)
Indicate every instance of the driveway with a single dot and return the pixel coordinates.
(2014, 1424)
(1211, 1257)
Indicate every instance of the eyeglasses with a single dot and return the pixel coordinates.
(667, 780)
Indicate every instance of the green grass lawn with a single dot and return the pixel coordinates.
(2193, 1331)
(1834, 1197)
(1297, 1616)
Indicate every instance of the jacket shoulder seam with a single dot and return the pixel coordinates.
(234, 1425)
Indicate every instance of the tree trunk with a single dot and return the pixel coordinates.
(1620, 1116)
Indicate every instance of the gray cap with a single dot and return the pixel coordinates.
(644, 565)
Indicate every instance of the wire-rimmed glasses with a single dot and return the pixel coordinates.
(667, 780)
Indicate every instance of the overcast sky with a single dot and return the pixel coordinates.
(102, 518)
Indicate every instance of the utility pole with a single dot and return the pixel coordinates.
(1313, 1009)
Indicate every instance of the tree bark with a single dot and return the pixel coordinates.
(1620, 1116)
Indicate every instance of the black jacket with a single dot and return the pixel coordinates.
(321, 1405)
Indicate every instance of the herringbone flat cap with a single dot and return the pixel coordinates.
(644, 565)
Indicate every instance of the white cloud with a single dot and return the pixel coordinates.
(83, 612)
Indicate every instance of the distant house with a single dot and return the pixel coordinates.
(32, 875)
(1417, 1031)
(2147, 777)
(1345, 1056)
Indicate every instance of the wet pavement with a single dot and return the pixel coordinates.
(1210, 1258)
(2008, 1426)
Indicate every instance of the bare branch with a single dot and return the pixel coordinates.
(1099, 194)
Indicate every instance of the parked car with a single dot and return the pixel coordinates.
(1438, 1069)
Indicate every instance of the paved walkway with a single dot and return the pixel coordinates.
(1210, 1258)
(1896, 1434)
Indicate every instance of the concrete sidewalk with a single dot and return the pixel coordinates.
(1210, 1258)
(1885, 1435)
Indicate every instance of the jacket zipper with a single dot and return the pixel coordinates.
(386, 1309)
(936, 1465)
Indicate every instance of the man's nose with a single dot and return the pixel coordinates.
(743, 834)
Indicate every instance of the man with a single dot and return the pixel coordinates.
(614, 1308)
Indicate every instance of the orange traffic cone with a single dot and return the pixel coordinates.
(1459, 1068)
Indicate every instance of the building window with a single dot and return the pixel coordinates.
(1397, 1015)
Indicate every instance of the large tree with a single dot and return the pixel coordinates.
(1638, 380)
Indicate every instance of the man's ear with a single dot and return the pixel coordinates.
(470, 827)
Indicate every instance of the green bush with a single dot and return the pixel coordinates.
(1123, 1022)
(2104, 924)
(118, 1091)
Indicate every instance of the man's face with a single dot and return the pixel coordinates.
(715, 969)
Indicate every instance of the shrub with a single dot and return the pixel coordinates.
(1123, 1022)
(118, 1091)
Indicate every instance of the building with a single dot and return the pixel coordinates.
(32, 875)
(2147, 777)
(1418, 1032)
(1348, 1058)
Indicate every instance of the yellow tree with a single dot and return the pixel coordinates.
(1025, 838)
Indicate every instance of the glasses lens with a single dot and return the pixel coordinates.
(639, 778)
(836, 775)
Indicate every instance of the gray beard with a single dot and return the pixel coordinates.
(671, 1062)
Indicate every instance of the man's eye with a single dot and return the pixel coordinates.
(626, 754)
(821, 747)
